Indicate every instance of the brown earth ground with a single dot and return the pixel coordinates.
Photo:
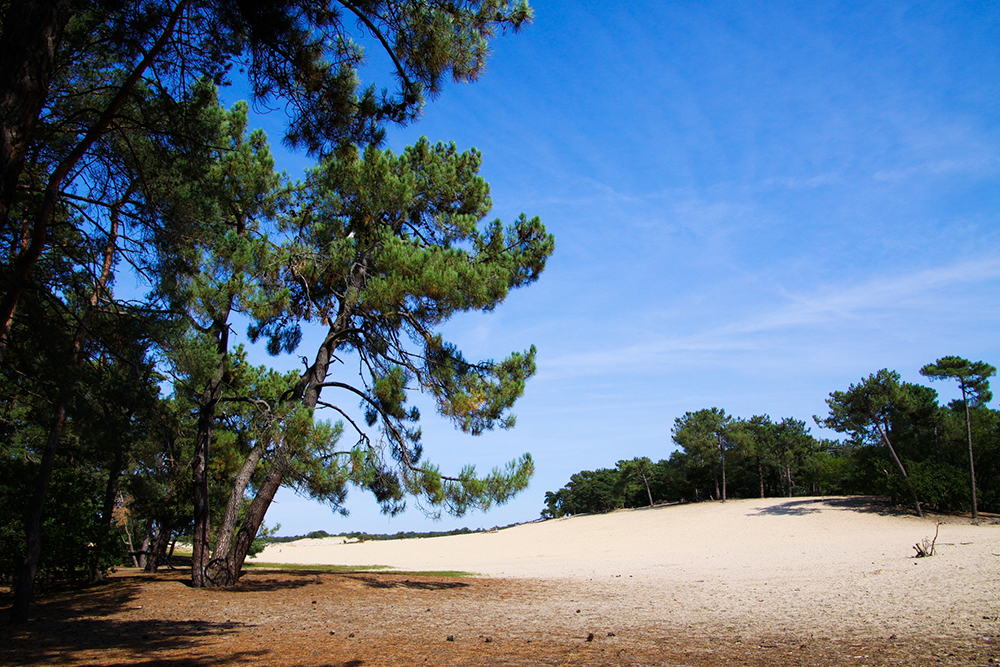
(850, 607)
(368, 618)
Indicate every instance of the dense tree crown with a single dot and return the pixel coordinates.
(136, 420)
(902, 445)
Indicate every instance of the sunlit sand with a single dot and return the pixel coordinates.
(826, 565)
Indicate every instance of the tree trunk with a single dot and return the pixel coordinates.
(159, 549)
(909, 485)
(648, 492)
(147, 540)
(33, 521)
(227, 564)
(760, 475)
(200, 547)
(225, 569)
(972, 463)
(199, 481)
(110, 492)
(222, 554)
(722, 454)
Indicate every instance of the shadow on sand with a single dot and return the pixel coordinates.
(82, 620)
(385, 582)
(865, 504)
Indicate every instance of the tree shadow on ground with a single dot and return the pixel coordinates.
(865, 504)
(261, 583)
(291, 580)
(60, 640)
(791, 508)
(387, 582)
(66, 602)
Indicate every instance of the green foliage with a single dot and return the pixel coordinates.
(765, 458)
(126, 164)
(587, 492)
(973, 377)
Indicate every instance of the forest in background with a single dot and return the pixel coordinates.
(901, 444)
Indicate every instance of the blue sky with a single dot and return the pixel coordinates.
(754, 204)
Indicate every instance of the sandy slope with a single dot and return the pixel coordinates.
(823, 566)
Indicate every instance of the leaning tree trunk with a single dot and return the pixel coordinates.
(27, 59)
(648, 492)
(252, 522)
(227, 563)
(909, 484)
(33, 522)
(222, 570)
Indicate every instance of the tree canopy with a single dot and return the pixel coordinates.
(119, 160)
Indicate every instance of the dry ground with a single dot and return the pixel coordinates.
(367, 618)
(889, 609)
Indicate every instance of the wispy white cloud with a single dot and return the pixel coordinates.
(981, 165)
(804, 182)
(876, 303)
(917, 290)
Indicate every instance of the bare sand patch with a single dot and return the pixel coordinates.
(816, 565)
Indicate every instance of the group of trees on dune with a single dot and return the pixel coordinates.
(901, 444)
(143, 221)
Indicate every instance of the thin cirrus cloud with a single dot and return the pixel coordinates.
(874, 304)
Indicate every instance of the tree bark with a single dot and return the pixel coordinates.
(147, 540)
(200, 547)
(248, 528)
(648, 492)
(223, 555)
(33, 522)
(158, 550)
(760, 475)
(199, 481)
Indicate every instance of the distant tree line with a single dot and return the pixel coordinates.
(372, 537)
(901, 444)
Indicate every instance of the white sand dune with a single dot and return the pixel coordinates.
(809, 563)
